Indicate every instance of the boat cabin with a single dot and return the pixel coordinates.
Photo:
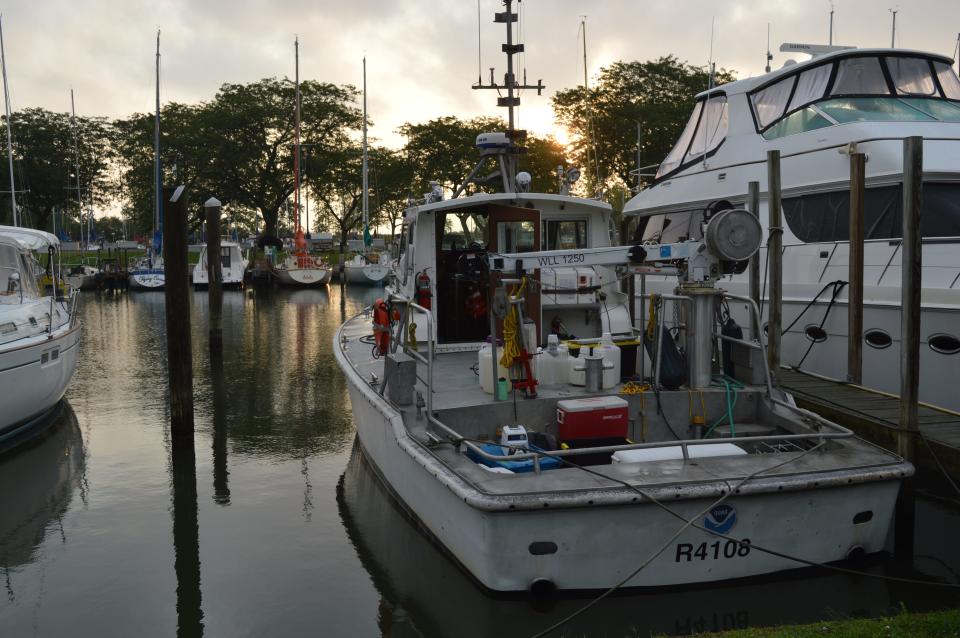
(445, 244)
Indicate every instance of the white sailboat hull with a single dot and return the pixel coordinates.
(34, 374)
(303, 277)
(367, 274)
(147, 280)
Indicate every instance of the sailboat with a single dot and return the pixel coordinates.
(300, 268)
(39, 333)
(80, 276)
(365, 268)
(148, 273)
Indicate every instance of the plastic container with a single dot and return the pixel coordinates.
(592, 418)
(610, 352)
(549, 372)
(485, 367)
(578, 377)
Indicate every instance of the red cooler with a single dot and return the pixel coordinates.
(592, 418)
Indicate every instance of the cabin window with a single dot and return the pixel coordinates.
(806, 119)
(872, 109)
(225, 256)
(770, 103)
(460, 231)
(673, 159)
(565, 234)
(516, 236)
(811, 85)
(860, 76)
(712, 129)
(911, 76)
(948, 80)
(825, 217)
(939, 109)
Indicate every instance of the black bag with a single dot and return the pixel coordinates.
(731, 329)
(673, 369)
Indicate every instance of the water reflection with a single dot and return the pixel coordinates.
(424, 593)
(38, 481)
(186, 536)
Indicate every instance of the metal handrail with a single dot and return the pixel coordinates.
(838, 432)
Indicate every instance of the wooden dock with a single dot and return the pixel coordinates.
(874, 415)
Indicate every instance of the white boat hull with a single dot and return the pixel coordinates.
(303, 277)
(147, 280)
(34, 374)
(600, 545)
(367, 274)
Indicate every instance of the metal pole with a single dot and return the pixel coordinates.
(909, 334)
(6, 102)
(753, 205)
(893, 30)
(177, 296)
(157, 176)
(855, 270)
(296, 125)
(214, 273)
(366, 183)
(775, 249)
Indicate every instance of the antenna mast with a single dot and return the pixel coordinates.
(893, 28)
(6, 102)
(508, 166)
(76, 161)
(158, 177)
(830, 41)
(769, 55)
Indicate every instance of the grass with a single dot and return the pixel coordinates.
(938, 624)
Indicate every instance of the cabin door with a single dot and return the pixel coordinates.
(517, 230)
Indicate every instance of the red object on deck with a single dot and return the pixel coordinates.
(592, 418)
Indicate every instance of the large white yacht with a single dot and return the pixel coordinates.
(540, 481)
(39, 335)
(815, 113)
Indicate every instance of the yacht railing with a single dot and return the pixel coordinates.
(824, 429)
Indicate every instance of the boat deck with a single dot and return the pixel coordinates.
(458, 395)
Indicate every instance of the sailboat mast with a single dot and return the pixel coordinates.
(6, 103)
(366, 194)
(158, 187)
(296, 144)
(76, 162)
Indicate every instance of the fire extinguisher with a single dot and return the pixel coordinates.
(423, 289)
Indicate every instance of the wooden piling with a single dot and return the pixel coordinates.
(753, 205)
(177, 296)
(775, 257)
(858, 177)
(214, 272)
(911, 255)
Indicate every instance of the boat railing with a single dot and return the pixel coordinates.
(822, 428)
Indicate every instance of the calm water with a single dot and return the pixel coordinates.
(282, 530)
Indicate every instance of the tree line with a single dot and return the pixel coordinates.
(239, 147)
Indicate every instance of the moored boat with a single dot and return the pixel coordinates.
(233, 266)
(816, 113)
(39, 334)
(703, 470)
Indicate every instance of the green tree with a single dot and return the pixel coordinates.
(45, 165)
(658, 95)
(252, 150)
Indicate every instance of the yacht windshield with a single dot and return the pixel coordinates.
(704, 133)
(878, 88)
(676, 154)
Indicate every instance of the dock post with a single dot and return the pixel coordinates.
(858, 177)
(912, 253)
(214, 272)
(775, 257)
(177, 297)
(753, 205)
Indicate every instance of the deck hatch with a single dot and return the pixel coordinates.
(542, 548)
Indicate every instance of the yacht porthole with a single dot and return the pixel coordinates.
(944, 343)
(815, 333)
(766, 328)
(877, 338)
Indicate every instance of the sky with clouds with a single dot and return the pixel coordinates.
(421, 56)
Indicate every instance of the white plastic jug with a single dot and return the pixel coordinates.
(484, 368)
(578, 377)
(610, 352)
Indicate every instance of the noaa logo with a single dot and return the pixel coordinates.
(720, 519)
